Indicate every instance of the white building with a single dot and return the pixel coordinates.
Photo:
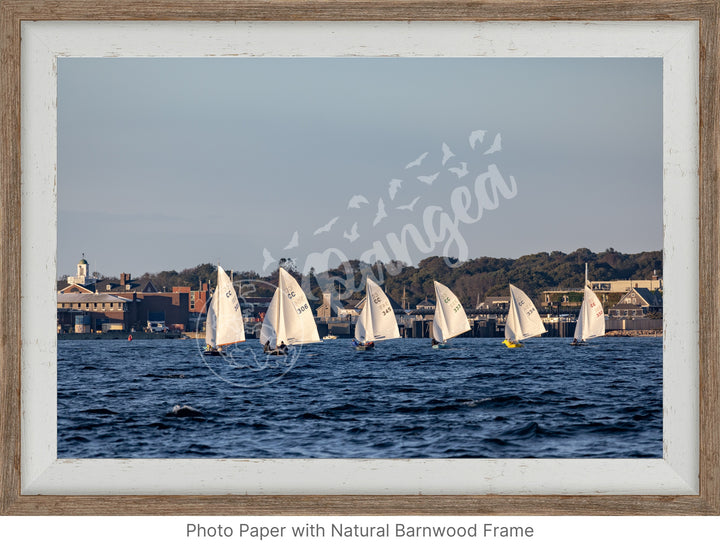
(83, 274)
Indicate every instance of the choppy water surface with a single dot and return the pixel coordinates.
(403, 400)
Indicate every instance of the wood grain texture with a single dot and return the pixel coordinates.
(12, 12)
(360, 505)
(363, 10)
(9, 257)
(709, 258)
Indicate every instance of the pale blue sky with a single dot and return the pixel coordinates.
(169, 163)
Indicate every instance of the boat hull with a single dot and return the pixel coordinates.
(365, 347)
(512, 345)
(441, 346)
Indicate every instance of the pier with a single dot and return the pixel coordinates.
(422, 329)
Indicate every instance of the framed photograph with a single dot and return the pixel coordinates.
(364, 172)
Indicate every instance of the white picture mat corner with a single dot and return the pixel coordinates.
(675, 474)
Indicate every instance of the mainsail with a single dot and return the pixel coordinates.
(523, 319)
(591, 319)
(450, 318)
(224, 325)
(211, 322)
(377, 318)
(289, 318)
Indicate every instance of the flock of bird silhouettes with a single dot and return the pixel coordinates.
(358, 201)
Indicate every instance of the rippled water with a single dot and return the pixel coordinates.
(403, 400)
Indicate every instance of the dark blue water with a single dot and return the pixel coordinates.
(403, 400)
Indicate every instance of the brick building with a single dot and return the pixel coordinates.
(125, 304)
(106, 312)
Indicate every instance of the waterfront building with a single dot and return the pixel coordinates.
(145, 306)
(197, 300)
(609, 292)
(330, 307)
(350, 309)
(494, 304)
(638, 303)
(622, 286)
(425, 305)
(98, 312)
(254, 308)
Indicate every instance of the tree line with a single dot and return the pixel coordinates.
(470, 280)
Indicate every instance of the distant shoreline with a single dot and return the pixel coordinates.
(634, 333)
(120, 335)
(201, 335)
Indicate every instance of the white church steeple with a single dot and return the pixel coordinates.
(83, 271)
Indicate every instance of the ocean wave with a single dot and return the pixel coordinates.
(184, 411)
(99, 411)
(310, 416)
(347, 408)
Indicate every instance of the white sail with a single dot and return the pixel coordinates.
(211, 322)
(377, 318)
(523, 319)
(273, 328)
(363, 326)
(450, 318)
(229, 325)
(289, 318)
(591, 319)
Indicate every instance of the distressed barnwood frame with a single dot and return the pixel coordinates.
(705, 12)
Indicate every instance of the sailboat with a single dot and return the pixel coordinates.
(591, 318)
(450, 318)
(224, 325)
(288, 320)
(523, 319)
(377, 318)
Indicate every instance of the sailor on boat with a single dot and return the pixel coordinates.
(450, 319)
(224, 325)
(288, 317)
(523, 320)
(377, 320)
(212, 351)
(280, 350)
(365, 346)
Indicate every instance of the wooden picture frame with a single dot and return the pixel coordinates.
(14, 502)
